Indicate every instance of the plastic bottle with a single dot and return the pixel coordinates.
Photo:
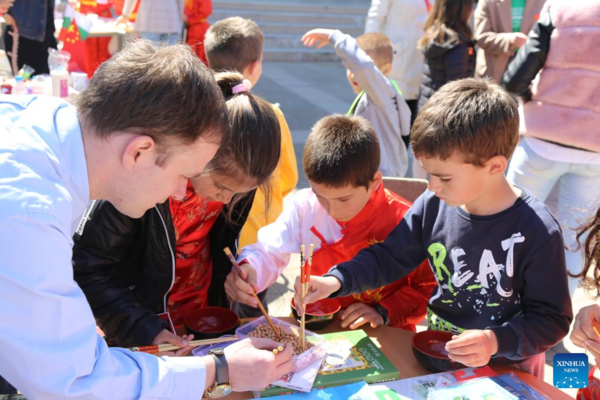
(19, 87)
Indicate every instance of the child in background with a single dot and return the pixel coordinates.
(171, 259)
(448, 46)
(497, 252)
(368, 61)
(236, 44)
(346, 209)
(196, 21)
(587, 323)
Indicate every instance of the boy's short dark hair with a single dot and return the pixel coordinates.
(233, 43)
(474, 117)
(341, 151)
(166, 93)
(377, 46)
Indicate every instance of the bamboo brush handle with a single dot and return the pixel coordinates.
(158, 348)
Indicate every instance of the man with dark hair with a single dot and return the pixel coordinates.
(345, 210)
(497, 252)
(150, 119)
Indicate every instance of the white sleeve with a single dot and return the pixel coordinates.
(377, 16)
(275, 244)
(128, 6)
(367, 75)
(49, 348)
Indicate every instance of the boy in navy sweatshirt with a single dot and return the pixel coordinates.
(496, 251)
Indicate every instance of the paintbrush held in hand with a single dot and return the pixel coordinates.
(245, 279)
(159, 348)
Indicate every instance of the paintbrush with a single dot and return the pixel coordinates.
(245, 279)
(302, 337)
(157, 348)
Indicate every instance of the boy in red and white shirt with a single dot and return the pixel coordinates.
(346, 209)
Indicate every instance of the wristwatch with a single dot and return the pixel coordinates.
(381, 310)
(221, 387)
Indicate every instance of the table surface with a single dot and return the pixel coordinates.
(396, 344)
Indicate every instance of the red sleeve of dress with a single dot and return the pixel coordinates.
(407, 306)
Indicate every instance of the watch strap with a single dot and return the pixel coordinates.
(221, 369)
(381, 310)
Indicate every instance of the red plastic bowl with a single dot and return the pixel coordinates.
(429, 349)
(211, 322)
(319, 314)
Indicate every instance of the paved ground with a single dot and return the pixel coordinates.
(306, 93)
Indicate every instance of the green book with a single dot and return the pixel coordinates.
(351, 357)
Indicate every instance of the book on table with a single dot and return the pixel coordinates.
(350, 356)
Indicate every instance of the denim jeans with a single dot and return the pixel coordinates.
(578, 198)
(166, 38)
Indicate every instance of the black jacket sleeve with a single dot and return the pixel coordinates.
(383, 263)
(530, 59)
(99, 257)
(225, 233)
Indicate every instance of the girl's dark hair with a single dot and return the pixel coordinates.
(252, 148)
(591, 253)
(448, 20)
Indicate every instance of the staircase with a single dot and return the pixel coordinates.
(283, 23)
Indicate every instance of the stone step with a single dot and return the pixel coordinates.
(323, 20)
(357, 7)
(277, 41)
(299, 55)
(301, 28)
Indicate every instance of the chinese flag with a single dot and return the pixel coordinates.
(72, 43)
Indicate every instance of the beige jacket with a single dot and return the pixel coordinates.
(159, 16)
(403, 21)
(493, 32)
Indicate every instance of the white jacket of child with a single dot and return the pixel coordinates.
(403, 21)
(277, 241)
(382, 106)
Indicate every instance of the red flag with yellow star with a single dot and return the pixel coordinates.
(69, 35)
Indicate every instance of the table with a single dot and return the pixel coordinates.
(397, 347)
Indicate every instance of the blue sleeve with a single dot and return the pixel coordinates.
(546, 304)
(383, 263)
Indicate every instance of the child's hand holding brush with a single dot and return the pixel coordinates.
(586, 330)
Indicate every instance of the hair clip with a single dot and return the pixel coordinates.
(245, 86)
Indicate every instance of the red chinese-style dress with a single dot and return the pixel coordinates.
(197, 13)
(193, 218)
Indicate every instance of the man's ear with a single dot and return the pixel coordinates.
(376, 181)
(136, 150)
(497, 165)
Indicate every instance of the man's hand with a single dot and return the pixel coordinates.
(167, 337)
(318, 37)
(473, 348)
(319, 288)
(252, 364)
(583, 334)
(358, 314)
(240, 291)
(518, 40)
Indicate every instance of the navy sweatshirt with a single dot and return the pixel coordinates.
(505, 272)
